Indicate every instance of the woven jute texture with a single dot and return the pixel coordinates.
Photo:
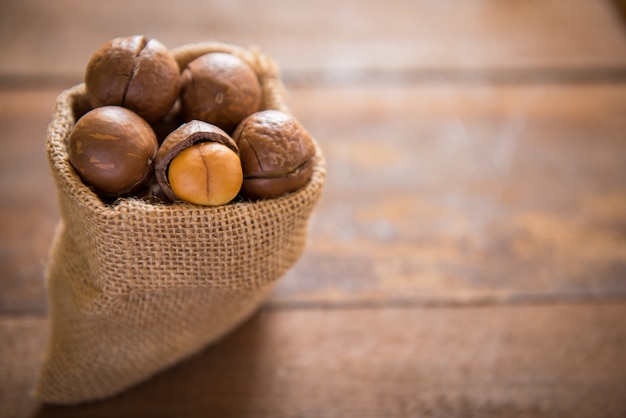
(135, 287)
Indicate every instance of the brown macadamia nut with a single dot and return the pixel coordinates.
(113, 150)
(199, 163)
(134, 72)
(276, 154)
(220, 89)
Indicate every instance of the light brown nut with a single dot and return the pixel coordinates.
(207, 173)
(199, 163)
(276, 154)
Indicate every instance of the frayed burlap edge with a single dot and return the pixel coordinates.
(135, 287)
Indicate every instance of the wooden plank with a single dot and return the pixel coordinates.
(44, 39)
(435, 195)
(448, 193)
(28, 210)
(539, 361)
(22, 345)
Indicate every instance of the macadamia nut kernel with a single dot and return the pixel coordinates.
(208, 171)
(207, 174)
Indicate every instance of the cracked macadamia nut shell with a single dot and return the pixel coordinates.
(276, 154)
(219, 88)
(186, 136)
(113, 150)
(134, 72)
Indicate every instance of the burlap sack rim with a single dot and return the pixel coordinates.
(64, 119)
(58, 133)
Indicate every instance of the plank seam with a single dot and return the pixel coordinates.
(434, 76)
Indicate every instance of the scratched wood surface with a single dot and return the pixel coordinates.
(468, 256)
(497, 361)
(325, 39)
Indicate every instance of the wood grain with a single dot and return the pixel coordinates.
(468, 256)
(45, 40)
(525, 361)
(481, 193)
(435, 195)
(28, 210)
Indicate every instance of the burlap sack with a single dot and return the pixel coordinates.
(135, 287)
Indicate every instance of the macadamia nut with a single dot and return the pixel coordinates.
(113, 150)
(199, 163)
(136, 73)
(220, 89)
(276, 154)
(207, 173)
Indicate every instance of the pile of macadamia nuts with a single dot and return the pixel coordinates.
(215, 144)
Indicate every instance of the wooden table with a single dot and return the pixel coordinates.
(468, 256)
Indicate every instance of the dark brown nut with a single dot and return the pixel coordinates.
(199, 163)
(276, 154)
(220, 89)
(134, 72)
(113, 150)
(151, 192)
